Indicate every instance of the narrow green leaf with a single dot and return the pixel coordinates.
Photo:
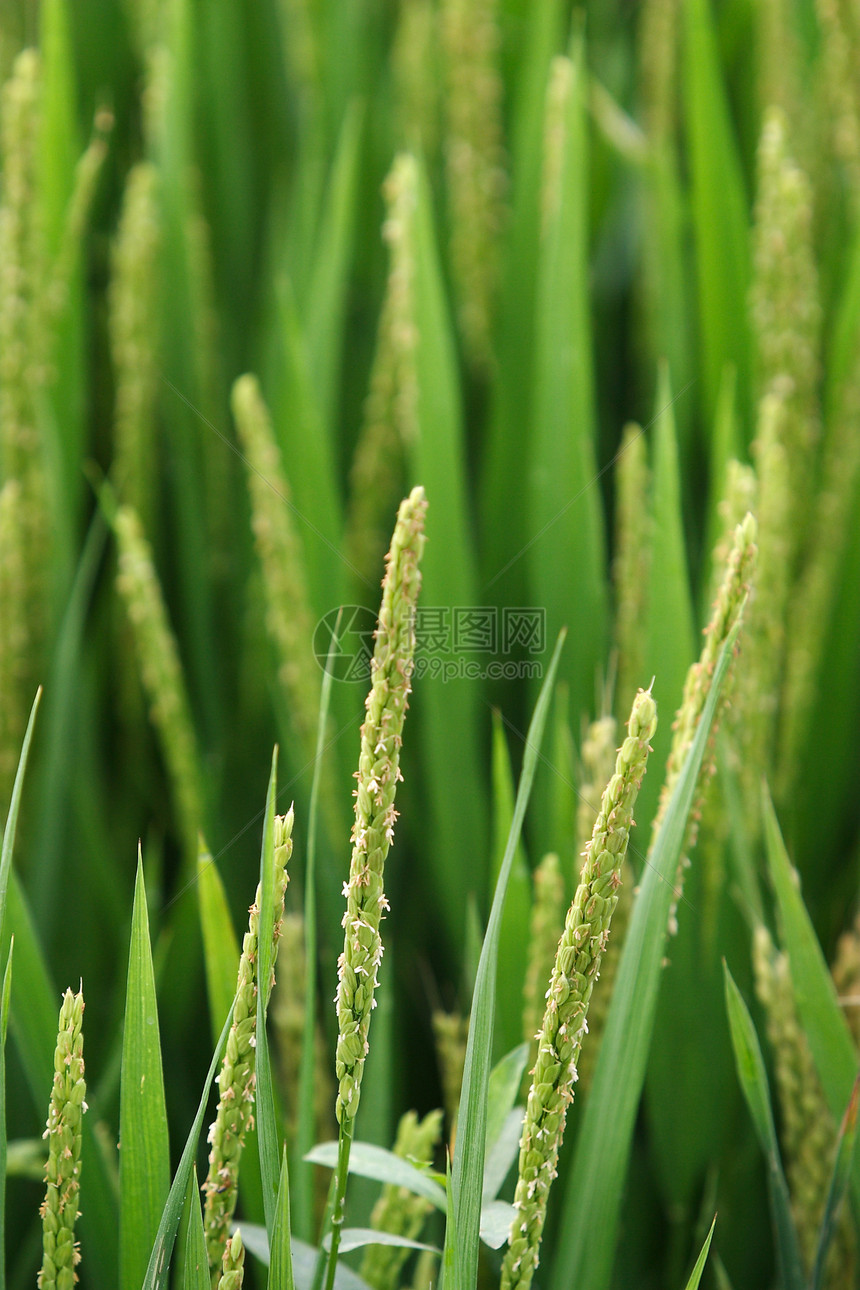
(159, 1260)
(753, 1079)
(220, 946)
(14, 807)
(514, 934)
(564, 502)
(449, 712)
(195, 1274)
(592, 1197)
(839, 1181)
(369, 1161)
(696, 1274)
(720, 220)
(4, 1022)
(814, 992)
(670, 643)
(144, 1162)
(329, 280)
(468, 1169)
(281, 1266)
(266, 1120)
(302, 1182)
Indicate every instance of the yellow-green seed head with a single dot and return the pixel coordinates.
(64, 1134)
(577, 966)
(377, 776)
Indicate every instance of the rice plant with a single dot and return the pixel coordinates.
(559, 306)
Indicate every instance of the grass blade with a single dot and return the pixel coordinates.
(220, 947)
(696, 1274)
(838, 1184)
(302, 1180)
(4, 1023)
(466, 1186)
(281, 1266)
(591, 1202)
(564, 507)
(14, 807)
(817, 1005)
(514, 933)
(195, 1274)
(144, 1161)
(159, 1260)
(753, 1080)
(719, 213)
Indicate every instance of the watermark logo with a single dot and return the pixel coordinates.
(452, 642)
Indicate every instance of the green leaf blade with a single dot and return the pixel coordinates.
(144, 1167)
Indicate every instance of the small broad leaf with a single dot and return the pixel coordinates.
(305, 1259)
(496, 1220)
(505, 1079)
(355, 1238)
(502, 1154)
(369, 1161)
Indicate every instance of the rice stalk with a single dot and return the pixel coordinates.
(838, 63)
(237, 1078)
(577, 966)
(59, 1211)
(398, 1210)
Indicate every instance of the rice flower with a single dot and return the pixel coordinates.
(598, 758)
(233, 1263)
(59, 1211)
(416, 72)
(13, 635)
(727, 606)
(808, 1130)
(451, 1033)
(161, 671)
(786, 321)
(547, 917)
(377, 775)
(376, 474)
(288, 615)
(577, 966)
(846, 976)
(632, 565)
(237, 1078)
(134, 328)
(475, 162)
(398, 1210)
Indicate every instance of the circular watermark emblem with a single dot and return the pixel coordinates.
(352, 651)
